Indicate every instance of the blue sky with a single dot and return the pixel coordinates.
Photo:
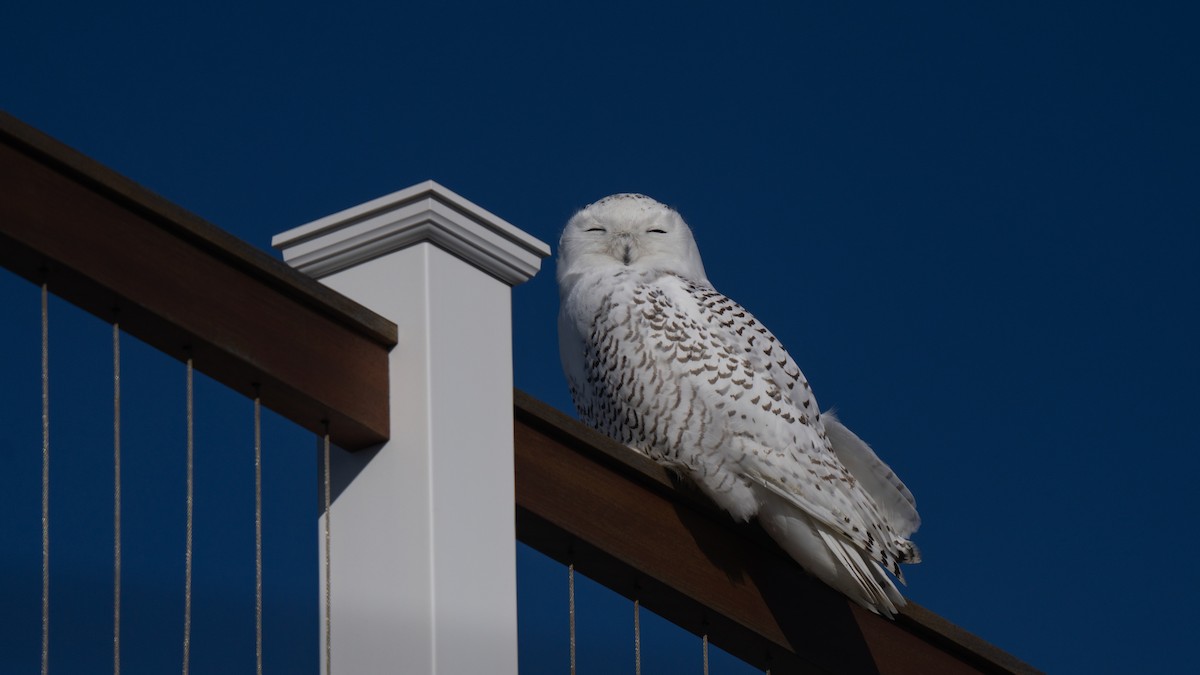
(975, 227)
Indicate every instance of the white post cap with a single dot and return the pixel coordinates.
(424, 212)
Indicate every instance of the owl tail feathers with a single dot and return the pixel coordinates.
(891, 497)
(831, 559)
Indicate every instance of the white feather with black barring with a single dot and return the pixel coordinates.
(658, 359)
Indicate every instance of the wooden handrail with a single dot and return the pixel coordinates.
(626, 522)
(120, 252)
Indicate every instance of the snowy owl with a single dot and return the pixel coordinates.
(658, 359)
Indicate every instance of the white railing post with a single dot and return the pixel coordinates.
(423, 543)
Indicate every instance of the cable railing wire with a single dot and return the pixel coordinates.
(116, 350)
(328, 560)
(45, 483)
(187, 569)
(258, 547)
(637, 637)
(571, 612)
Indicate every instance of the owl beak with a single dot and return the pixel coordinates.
(625, 243)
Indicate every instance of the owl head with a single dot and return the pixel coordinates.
(628, 230)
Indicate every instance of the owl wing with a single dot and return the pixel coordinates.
(789, 449)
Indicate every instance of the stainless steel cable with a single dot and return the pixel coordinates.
(116, 499)
(706, 654)
(187, 554)
(637, 637)
(258, 548)
(45, 483)
(571, 610)
(328, 562)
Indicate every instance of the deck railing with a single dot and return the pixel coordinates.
(192, 291)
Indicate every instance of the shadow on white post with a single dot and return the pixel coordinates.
(423, 555)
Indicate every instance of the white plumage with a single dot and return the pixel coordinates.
(658, 359)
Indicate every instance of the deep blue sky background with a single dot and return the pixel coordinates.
(975, 227)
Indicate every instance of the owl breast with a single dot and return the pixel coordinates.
(657, 379)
